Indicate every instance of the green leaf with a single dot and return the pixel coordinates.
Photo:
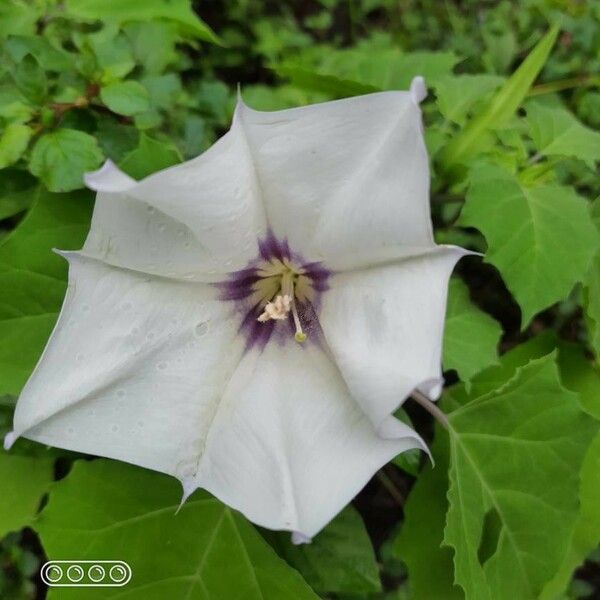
(13, 143)
(115, 139)
(33, 280)
(17, 190)
(579, 375)
(557, 132)
(49, 57)
(30, 79)
(154, 44)
(363, 70)
(471, 336)
(592, 289)
(205, 551)
(515, 457)
(24, 481)
(419, 543)
(541, 239)
(18, 18)
(126, 98)
(458, 94)
(150, 156)
(339, 560)
(124, 11)
(61, 158)
(163, 90)
(113, 54)
(328, 84)
(502, 106)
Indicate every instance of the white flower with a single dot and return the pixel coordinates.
(177, 345)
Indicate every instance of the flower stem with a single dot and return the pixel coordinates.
(391, 489)
(564, 84)
(431, 408)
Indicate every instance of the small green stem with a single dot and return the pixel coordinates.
(392, 490)
(431, 408)
(564, 84)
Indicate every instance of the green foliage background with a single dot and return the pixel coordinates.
(512, 508)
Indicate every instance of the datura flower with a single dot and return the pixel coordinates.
(248, 321)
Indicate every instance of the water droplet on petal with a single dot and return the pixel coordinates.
(201, 328)
(114, 428)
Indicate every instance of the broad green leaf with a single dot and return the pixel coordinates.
(419, 544)
(364, 70)
(163, 90)
(470, 336)
(339, 560)
(124, 11)
(17, 190)
(150, 156)
(496, 376)
(501, 107)
(328, 84)
(115, 139)
(61, 158)
(205, 551)
(557, 132)
(30, 79)
(154, 44)
(18, 17)
(580, 375)
(541, 239)
(24, 481)
(592, 289)
(48, 56)
(113, 54)
(513, 501)
(33, 280)
(458, 94)
(126, 97)
(13, 143)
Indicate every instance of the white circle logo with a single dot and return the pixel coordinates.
(86, 573)
(96, 573)
(53, 573)
(118, 573)
(75, 573)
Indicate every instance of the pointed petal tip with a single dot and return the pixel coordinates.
(299, 538)
(9, 439)
(108, 178)
(418, 89)
(189, 487)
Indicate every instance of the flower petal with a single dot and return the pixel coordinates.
(289, 447)
(197, 220)
(134, 368)
(152, 372)
(346, 182)
(384, 327)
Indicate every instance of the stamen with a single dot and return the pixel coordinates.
(279, 308)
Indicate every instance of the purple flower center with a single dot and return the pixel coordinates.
(278, 294)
